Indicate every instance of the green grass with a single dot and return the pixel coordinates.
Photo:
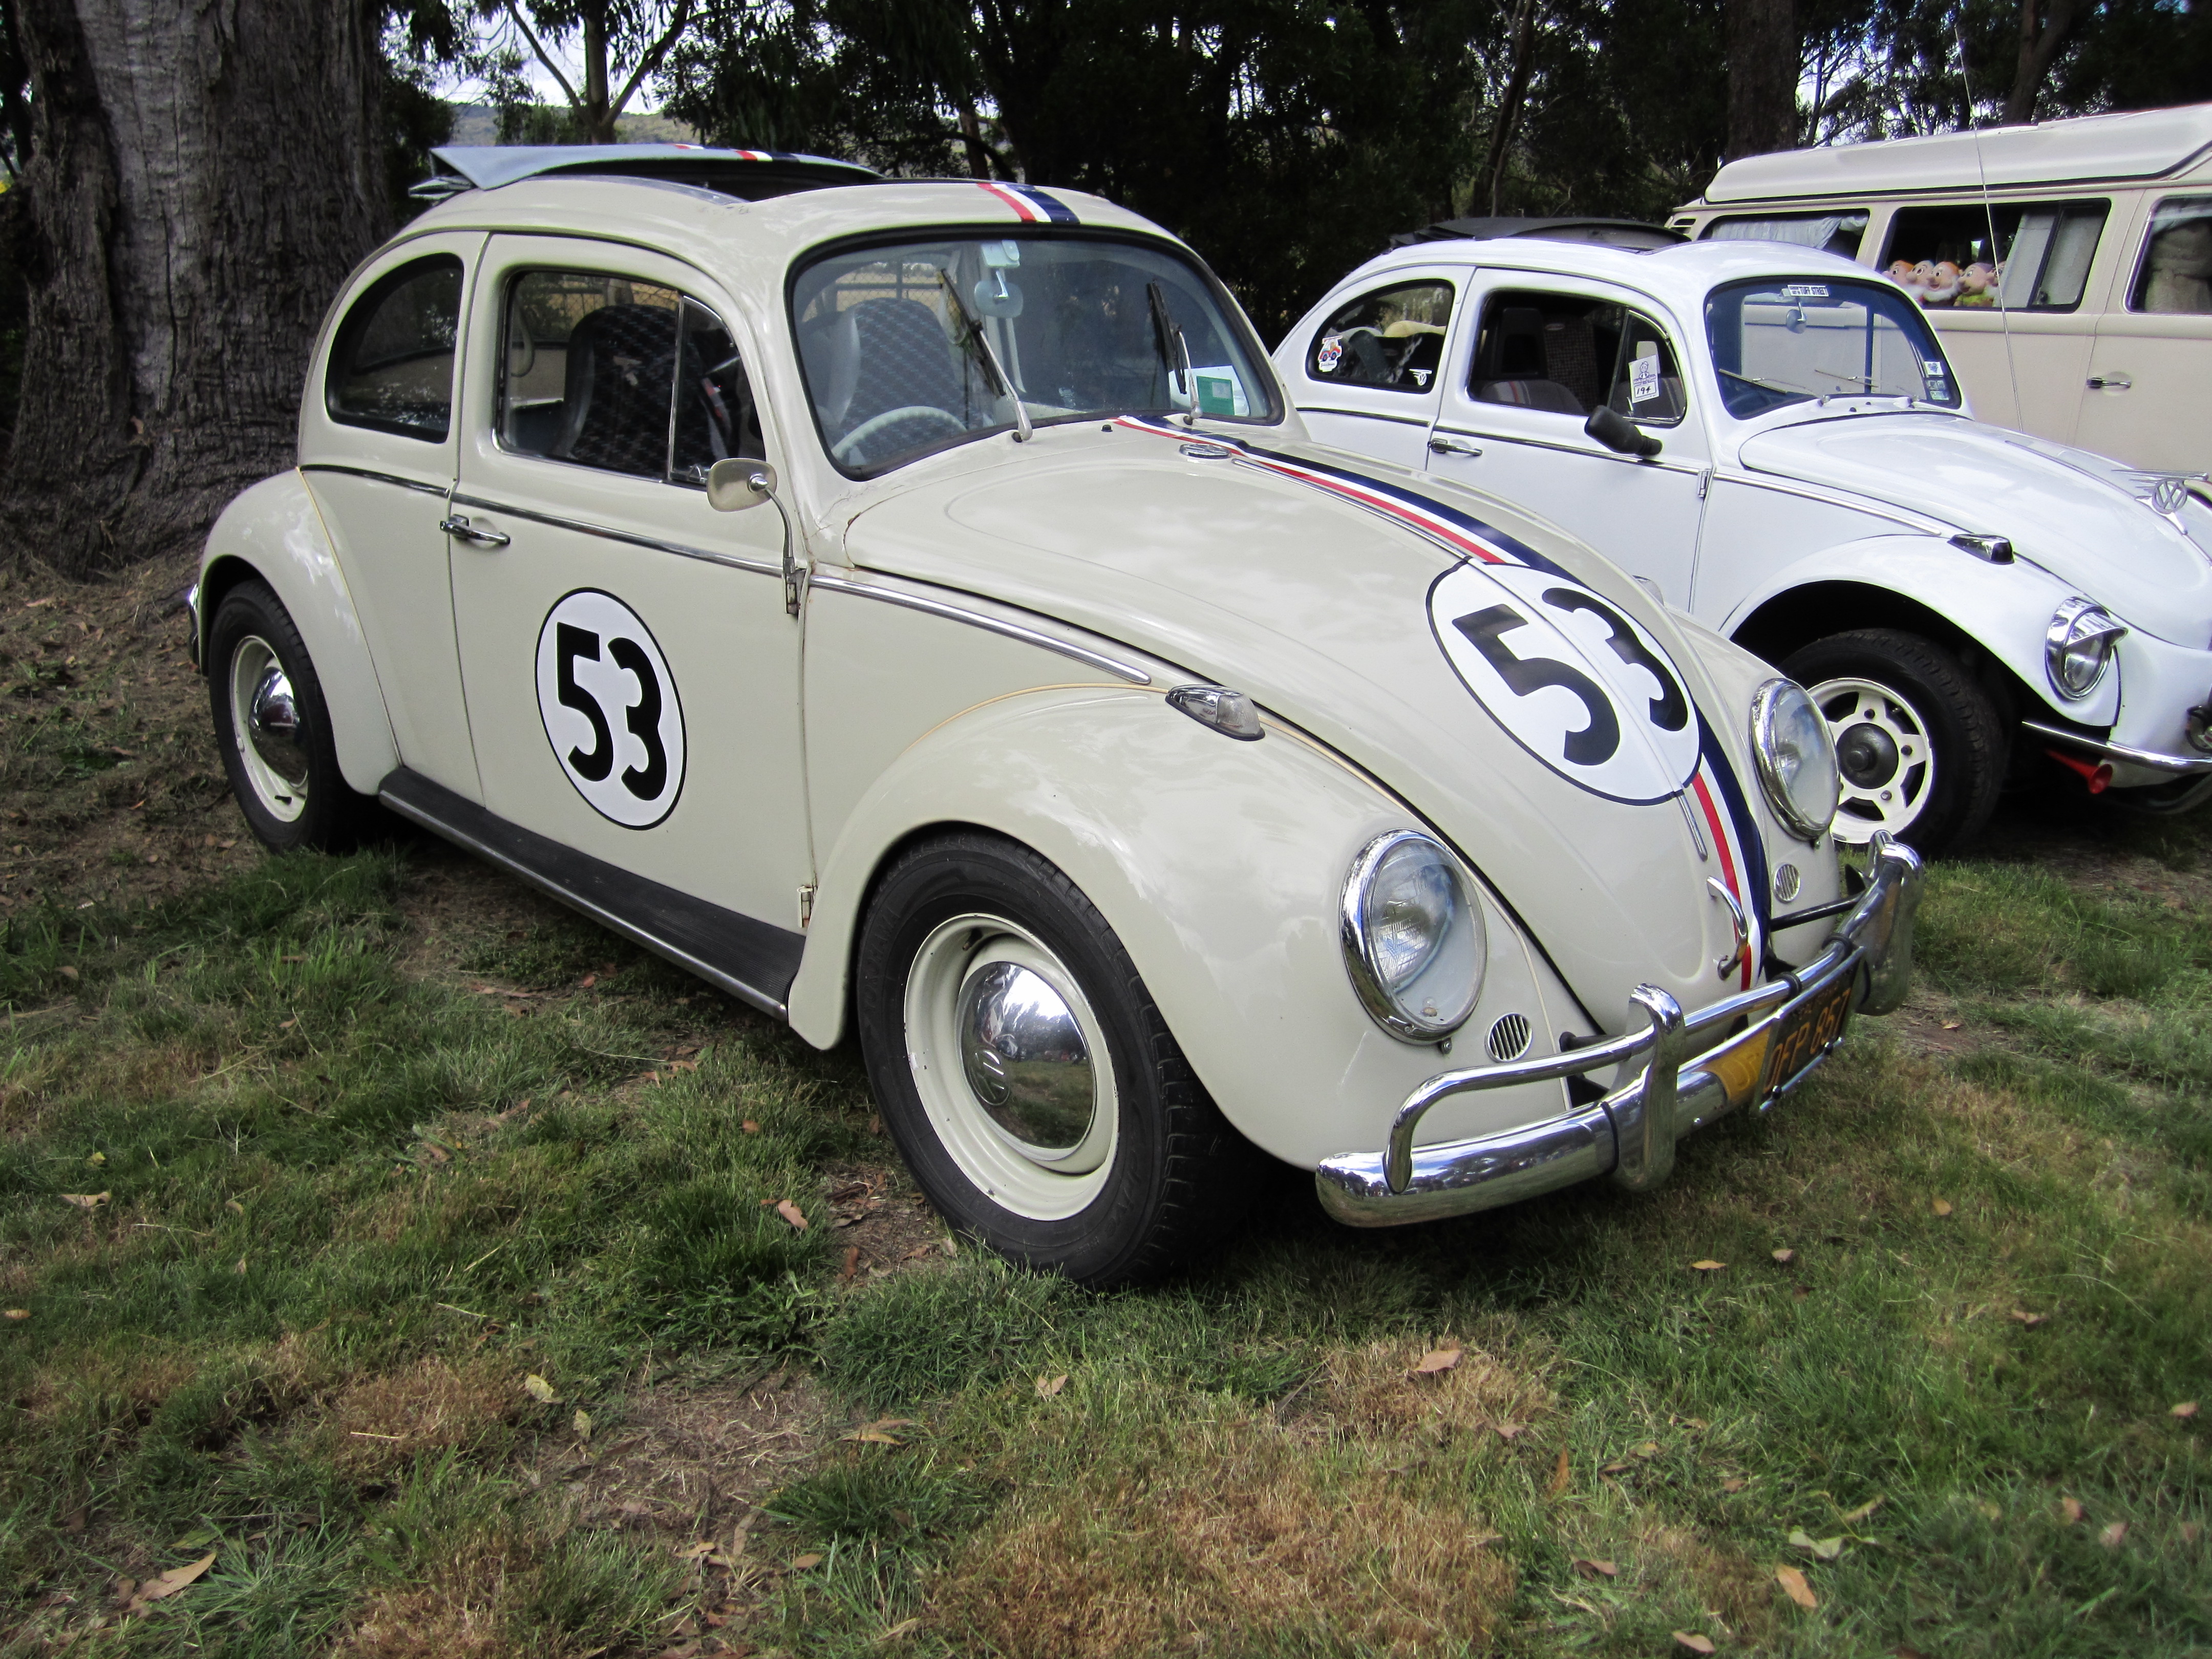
(326, 1200)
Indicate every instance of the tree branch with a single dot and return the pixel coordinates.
(551, 68)
(651, 61)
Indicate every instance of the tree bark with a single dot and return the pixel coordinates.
(1509, 108)
(203, 174)
(1763, 64)
(2038, 48)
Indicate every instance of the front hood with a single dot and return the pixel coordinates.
(1356, 601)
(2063, 508)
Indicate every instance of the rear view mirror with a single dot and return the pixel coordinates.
(738, 482)
(1620, 434)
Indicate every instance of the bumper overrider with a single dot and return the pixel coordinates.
(1682, 1072)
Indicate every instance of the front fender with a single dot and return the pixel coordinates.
(2004, 608)
(1219, 864)
(273, 531)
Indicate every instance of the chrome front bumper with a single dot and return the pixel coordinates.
(2122, 755)
(1679, 1087)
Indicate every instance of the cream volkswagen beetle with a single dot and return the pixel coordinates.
(1146, 785)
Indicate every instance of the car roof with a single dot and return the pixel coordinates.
(2141, 145)
(1611, 233)
(751, 173)
(1678, 276)
(755, 242)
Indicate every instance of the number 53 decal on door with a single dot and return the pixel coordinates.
(609, 707)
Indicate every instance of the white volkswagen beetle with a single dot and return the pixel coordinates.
(1143, 784)
(1771, 440)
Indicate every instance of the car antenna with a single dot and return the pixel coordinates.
(1989, 214)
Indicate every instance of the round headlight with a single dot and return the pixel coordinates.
(2077, 645)
(1414, 943)
(1797, 758)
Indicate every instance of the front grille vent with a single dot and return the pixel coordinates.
(1508, 1038)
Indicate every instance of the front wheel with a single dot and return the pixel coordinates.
(1026, 1075)
(1920, 749)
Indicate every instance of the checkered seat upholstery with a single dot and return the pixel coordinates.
(615, 397)
(902, 360)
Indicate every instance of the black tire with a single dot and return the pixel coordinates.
(1176, 1176)
(251, 633)
(1929, 688)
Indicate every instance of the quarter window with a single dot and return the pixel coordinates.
(2038, 258)
(2177, 266)
(1393, 338)
(1566, 355)
(391, 365)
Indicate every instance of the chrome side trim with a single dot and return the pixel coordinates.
(1680, 1086)
(1364, 414)
(823, 581)
(735, 562)
(416, 484)
(2184, 765)
(1911, 521)
(772, 1006)
(1588, 451)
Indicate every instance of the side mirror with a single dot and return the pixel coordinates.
(1620, 434)
(737, 483)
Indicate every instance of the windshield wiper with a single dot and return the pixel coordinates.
(972, 337)
(1769, 385)
(1163, 330)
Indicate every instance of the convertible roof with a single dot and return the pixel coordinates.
(1606, 233)
(2141, 145)
(754, 174)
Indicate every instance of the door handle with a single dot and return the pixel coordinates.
(2114, 382)
(1445, 444)
(461, 530)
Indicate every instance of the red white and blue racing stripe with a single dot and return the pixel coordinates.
(1032, 206)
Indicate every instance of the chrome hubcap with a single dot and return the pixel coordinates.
(1012, 1067)
(266, 724)
(1884, 759)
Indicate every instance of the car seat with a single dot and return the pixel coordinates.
(615, 389)
(897, 356)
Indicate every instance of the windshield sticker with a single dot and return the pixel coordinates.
(1331, 353)
(1571, 680)
(610, 708)
(1804, 291)
(1936, 369)
(1644, 372)
(1032, 206)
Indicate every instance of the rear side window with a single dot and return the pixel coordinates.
(1831, 232)
(2176, 274)
(1393, 337)
(1565, 354)
(391, 366)
(2038, 259)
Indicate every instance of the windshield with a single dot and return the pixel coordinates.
(1781, 341)
(911, 348)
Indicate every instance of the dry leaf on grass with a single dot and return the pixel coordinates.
(851, 1264)
(878, 1433)
(1707, 1265)
(1590, 1569)
(581, 1422)
(801, 1562)
(1733, 1483)
(539, 1389)
(2185, 1410)
(18, 1313)
(160, 1588)
(2069, 1511)
(2112, 1535)
(1436, 1360)
(1691, 1640)
(1953, 1025)
(1864, 1510)
(85, 1201)
(904, 1628)
(790, 1212)
(1794, 1586)
(750, 1126)
(1785, 1257)
(1941, 1206)
(1826, 1549)
(704, 1547)
(1561, 1473)
(2030, 1320)
(1048, 1386)
(1506, 1431)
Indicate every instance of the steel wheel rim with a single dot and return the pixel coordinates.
(1039, 1183)
(266, 728)
(1862, 716)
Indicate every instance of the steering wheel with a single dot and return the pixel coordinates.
(843, 448)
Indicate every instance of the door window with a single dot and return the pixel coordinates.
(2038, 259)
(1565, 354)
(391, 366)
(1831, 232)
(1393, 337)
(2176, 274)
(715, 416)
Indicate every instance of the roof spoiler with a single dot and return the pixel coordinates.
(487, 166)
(1632, 233)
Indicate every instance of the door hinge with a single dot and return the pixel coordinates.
(806, 906)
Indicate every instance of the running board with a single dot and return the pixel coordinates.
(753, 961)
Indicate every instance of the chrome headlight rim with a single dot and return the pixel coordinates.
(2075, 624)
(1361, 962)
(1766, 703)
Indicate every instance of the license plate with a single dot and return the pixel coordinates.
(1805, 1034)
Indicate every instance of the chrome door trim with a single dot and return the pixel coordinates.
(1590, 452)
(438, 491)
(823, 581)
(1364, 414)
(759, 567)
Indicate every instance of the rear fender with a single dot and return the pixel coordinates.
(274, 532)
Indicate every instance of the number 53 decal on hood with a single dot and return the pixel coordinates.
(1571, 679)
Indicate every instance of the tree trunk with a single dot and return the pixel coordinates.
(598, 113)
(1762, 63)
(1509, 108)
(2037, 50)
(205, 173)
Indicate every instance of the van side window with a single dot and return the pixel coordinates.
(2176, 273)
(1831, 232)
(1393, 337)
(1565, 354)
(2039, 262)
(391, 365)
(589, 372)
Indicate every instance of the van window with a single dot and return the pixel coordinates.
(1393, 338)
(1831, 232)
(2040, 262)
(1779, 341)
(1565, 354)
(2176, 274)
